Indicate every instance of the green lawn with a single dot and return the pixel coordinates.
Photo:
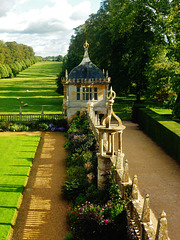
(17, 154)
(122, 106)
(40, 81)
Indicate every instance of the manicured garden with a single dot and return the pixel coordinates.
(31, 90)
(95, 214)
(17, 153)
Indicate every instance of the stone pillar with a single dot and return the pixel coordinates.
(119, 160)
(162, 231)
(101, 143)
(109, 142)
(125, 180)
(81, 95)
(145, 217)
(112, 145)
(125, 177)
(135, 188)
(20, 114)
(42, 113)
(104, 168)
(146, 210)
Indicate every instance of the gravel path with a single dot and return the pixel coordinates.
(158, 175)
(42, 215)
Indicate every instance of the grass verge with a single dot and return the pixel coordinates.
(17, 153)
(35, 86)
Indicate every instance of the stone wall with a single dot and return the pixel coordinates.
(147, 227)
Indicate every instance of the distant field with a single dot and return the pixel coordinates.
(17, 154)
(35, 86)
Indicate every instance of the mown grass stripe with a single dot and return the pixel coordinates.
(35, 86)
(17, 154)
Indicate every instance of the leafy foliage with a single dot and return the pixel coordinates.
(138, 43)
(14, 58)
(96, 214)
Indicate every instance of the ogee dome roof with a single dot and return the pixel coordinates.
(86, 69)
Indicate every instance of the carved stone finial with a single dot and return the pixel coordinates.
(86, 45)
(111, 96)
(66, 75)
(146, 210)
(125, 177)
(135, 188)
(162, 231)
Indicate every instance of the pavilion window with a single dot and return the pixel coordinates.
(78, 93)
(87, 93)
(95, 93)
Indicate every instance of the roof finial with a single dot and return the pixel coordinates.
(86, 45)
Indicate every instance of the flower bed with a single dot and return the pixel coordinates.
(41, 125)
(95, 214)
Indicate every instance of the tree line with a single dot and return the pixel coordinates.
(14, 58)
(138, 42)
(58, 58)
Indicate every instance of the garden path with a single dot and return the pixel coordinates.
(158, 175)
(42, 215)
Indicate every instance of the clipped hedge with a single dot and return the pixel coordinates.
(162, 130)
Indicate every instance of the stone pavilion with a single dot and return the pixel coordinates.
(86, 85)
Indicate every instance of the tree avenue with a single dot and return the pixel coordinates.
(14, 58)
(138, 43)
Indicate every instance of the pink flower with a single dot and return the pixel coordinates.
(106, 221)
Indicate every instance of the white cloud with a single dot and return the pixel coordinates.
(5, 6)
(46, 25)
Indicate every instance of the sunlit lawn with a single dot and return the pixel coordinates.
(17, 154)
(123, 105)
(35, 86)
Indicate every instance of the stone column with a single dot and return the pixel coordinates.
(162, 231)
(112, 145)
(109, 142)
(104, 168)
(101, 143)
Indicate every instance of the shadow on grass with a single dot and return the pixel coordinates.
(11, 188)
(6, 207)
(6, 224)
(19, 165)
(16, 175)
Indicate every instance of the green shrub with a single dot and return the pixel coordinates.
(79, 143)
(18, 128)
(104, 218)
(69, 236)
(93, 221)
(176, 110)
(42, 126)
(162, 130)
(5, 125)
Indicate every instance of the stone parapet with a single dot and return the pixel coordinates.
(85, 81)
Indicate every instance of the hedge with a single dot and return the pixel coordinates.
(163, 131)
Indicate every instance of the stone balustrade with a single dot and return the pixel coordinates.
(138, 208)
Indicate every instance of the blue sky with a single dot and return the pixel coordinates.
(46, 25)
